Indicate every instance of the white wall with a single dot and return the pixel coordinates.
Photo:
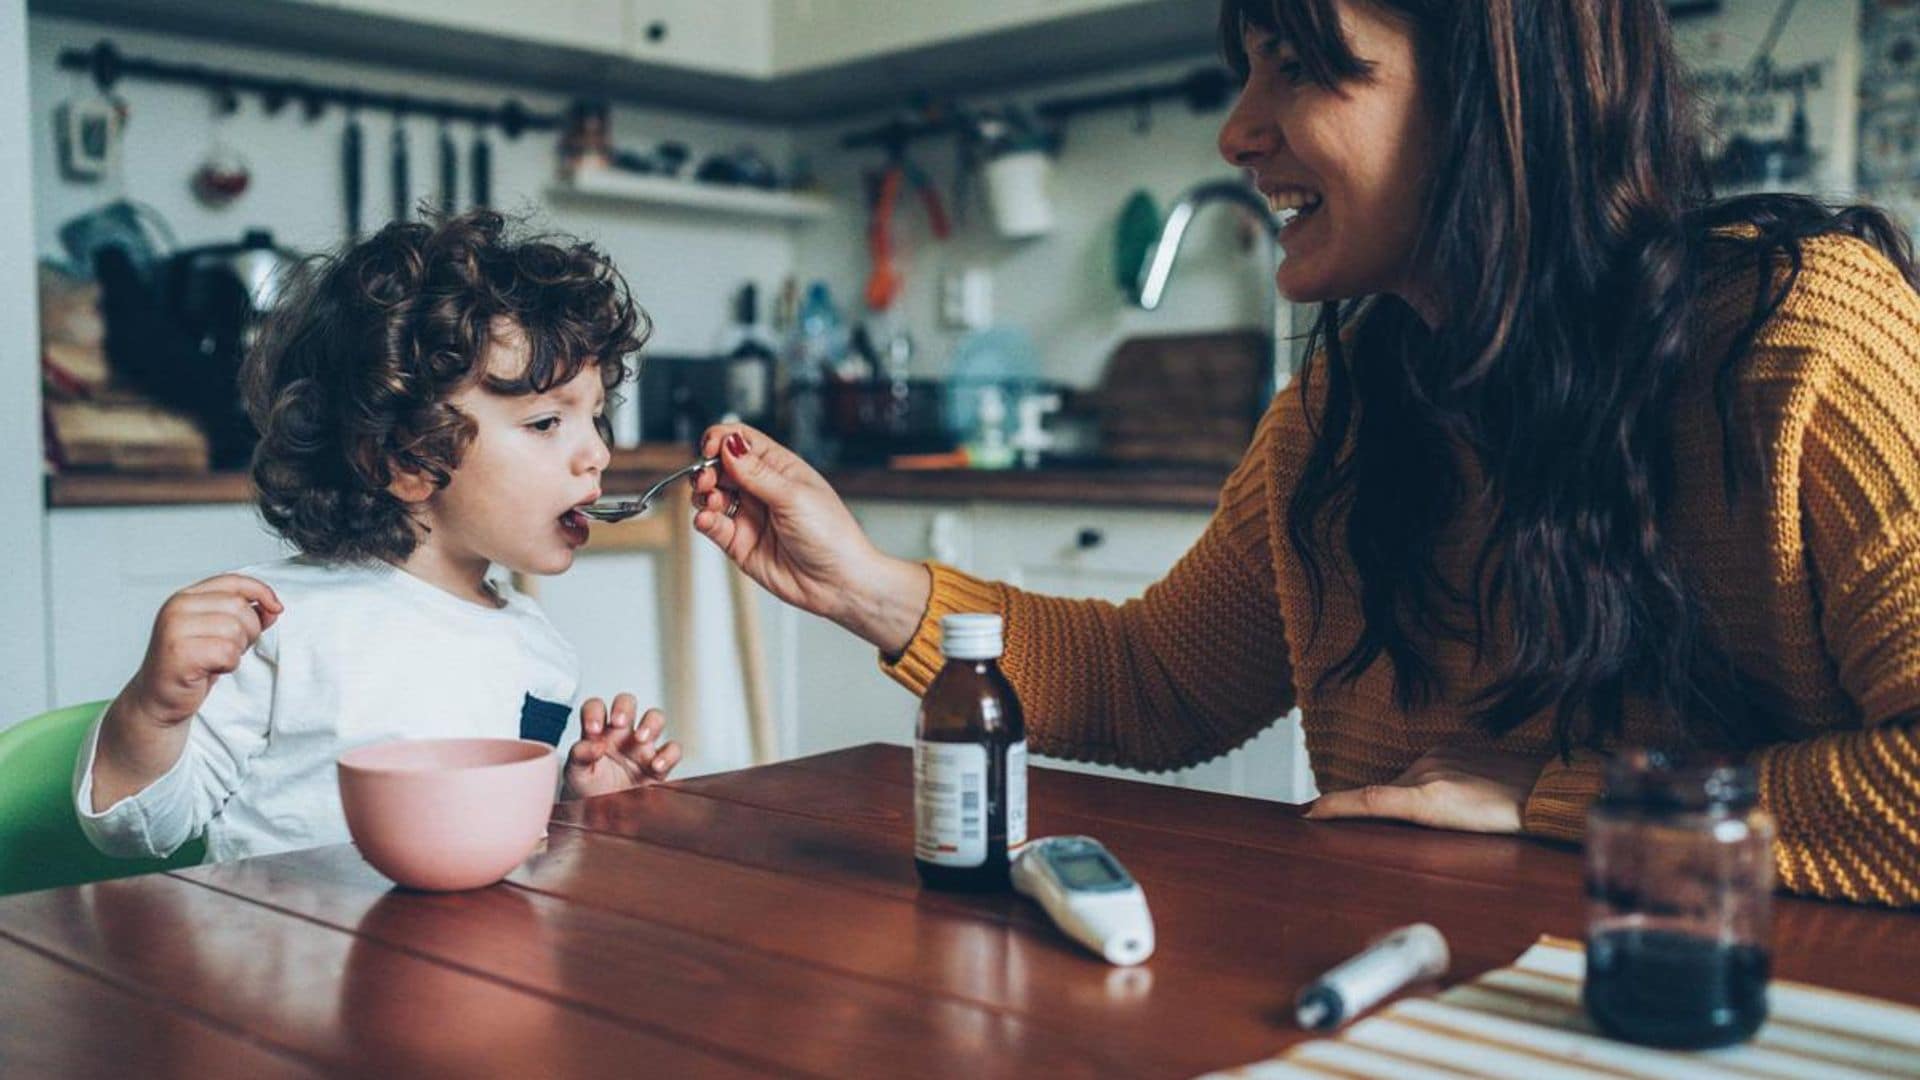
(23, 627)
(1824, 32)
(1060, 288)
(681, 266)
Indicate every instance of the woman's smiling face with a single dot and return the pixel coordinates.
(1352, 161)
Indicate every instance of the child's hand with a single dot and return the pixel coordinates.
(200, 634)
(614, 753)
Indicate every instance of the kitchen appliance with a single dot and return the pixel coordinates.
(870, 421)
(680, 396)
(180, 333)
(134, 227)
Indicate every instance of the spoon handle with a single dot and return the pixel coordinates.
(654, 491)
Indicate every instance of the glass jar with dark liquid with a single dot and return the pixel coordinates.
(1679, 890)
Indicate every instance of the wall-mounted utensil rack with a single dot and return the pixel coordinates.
(1201, 90)
(108, 65)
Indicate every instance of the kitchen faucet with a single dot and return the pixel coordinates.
(1152, 285)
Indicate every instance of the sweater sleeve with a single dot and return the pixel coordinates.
(1557, 806)
(1189, 671)
(1848, 802)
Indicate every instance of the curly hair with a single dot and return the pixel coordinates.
(350, 380)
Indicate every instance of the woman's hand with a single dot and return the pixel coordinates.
(614, 752)
(791, 533)
(1471, 789)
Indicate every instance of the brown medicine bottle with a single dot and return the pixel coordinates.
(969, 764)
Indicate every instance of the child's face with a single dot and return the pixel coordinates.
(533, 459)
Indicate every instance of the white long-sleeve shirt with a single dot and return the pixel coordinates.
(361, 654)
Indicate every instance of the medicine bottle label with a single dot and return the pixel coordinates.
(1016, 795)
(950, 793)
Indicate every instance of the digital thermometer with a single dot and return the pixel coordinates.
(1088, 894)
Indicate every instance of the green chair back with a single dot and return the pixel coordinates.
(41, 844)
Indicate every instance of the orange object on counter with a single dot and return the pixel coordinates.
(951, 459)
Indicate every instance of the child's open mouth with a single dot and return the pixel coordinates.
(575, 525)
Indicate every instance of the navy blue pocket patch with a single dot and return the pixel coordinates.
(543, 720)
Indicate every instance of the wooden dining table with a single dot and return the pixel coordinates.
(769, 921)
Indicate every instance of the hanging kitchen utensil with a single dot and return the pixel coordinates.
(1133, 239)
(449, 169)
(88, 127)
(223, 174)
(399, 166)
(480, 164)
(885, 281)
(350, 170)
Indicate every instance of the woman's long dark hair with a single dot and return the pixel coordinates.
(1569, 227)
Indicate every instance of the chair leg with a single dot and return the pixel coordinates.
(751, 642)
(677, 647)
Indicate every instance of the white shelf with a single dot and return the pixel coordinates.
(609, 184)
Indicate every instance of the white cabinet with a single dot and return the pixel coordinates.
(768, 60)
(592, 25)
(840, 698)
(822, 33)
(1114, 555)
(724, 37)
(729, 37)
(839, 695)
(110, 569)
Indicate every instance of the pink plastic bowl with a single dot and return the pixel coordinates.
(448, 814)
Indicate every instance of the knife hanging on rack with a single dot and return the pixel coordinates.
(481, 166)
(399, 167)
(350, 171)
(449, 170)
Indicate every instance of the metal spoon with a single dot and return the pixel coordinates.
(611, 510)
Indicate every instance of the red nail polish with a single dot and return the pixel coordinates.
(736, 445)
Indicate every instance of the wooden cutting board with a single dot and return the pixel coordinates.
(131, 435)
(1183, 399)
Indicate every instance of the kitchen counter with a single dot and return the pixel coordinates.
(630, 469)
(633, 470)
(1191, 488)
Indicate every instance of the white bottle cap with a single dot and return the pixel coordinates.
(970, 637)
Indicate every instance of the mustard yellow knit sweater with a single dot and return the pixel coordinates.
(1812, 578)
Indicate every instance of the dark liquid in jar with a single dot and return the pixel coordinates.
(1663, 988)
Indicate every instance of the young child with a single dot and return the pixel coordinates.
(430, 407)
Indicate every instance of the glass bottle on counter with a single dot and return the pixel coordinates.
(969, 764)
(814, 350)
(1679, 889)
(751, 360)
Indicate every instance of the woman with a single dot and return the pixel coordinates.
(1587, 459)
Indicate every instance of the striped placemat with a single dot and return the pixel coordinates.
(1525, 1021)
